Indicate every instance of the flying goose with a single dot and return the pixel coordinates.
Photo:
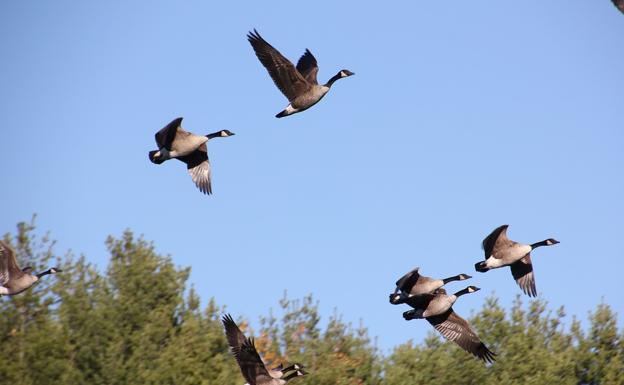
(298, 84)
(251, 365)
(413, 283)
(175, 142)
(14, 280)
(500, 251)
(619, 4)
(437, 308)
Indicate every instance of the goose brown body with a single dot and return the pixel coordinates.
(176, 143)
(251, 365)
(414, 284)
(14, 280)
(437, 309)
(298, 84)
(500, 251)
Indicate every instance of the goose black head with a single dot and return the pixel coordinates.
(294, 374)
(464, 276)
(346, 73)
(54, 270)
(551, 241)
(396, 298)
(472, 289)
(481, 267)
(298, 366)
(225, 133)
(155, 157)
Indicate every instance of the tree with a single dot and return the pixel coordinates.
(136, 323)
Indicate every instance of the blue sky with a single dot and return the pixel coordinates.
(460, 117)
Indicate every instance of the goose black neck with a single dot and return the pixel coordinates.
(292, 375)
(451, 279)
(214, 135)
(289, 368)
(49, 271)
(333, 79)
(539, 244)
(462, 292)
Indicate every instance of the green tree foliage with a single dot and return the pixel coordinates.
(337, 355)
(139, 323)
(533, 348)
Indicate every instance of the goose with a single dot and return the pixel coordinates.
(619, 4)
(437, 308)
(174, 142)
(14, 280)
(500, 251)
(251, 365)
(413, 284)
(299, 83)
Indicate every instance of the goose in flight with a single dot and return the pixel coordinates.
(251, 365)
(14, 280)
(413, 283)
(299, 83)
(501, 251)
(174, 142)
(437, 309)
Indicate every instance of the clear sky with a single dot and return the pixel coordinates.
(461, 116)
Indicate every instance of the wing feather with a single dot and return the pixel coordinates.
(308, 67)
(284, 74)
(522, 272)
(9, 269)
(244, 350)
(199, 168)
(233, 333)
(494, 241)
(4, 263)
(167, 134)
(406, 282)
(250, 363)
(456, 329)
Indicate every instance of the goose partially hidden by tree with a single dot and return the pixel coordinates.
(437, 308)
(174, 142)
(413, 284)
(251, 365)
(299, 83)
(500, 251)
(14, 280)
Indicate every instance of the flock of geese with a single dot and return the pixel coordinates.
(298, 84)
(430, 301)
(426, 296)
